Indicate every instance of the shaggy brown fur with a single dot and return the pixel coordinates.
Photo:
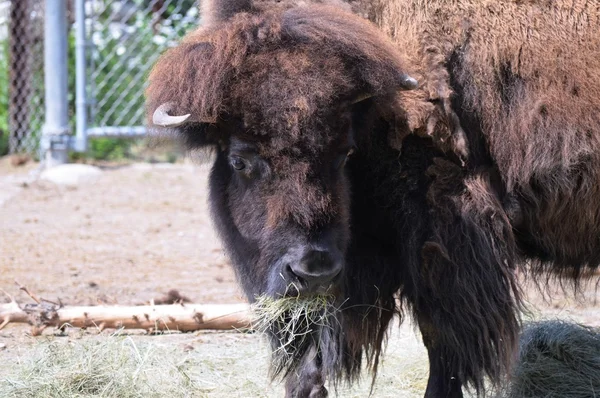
(212, 12)
(281, 72)
(528, 72)
(207, 73)
(493, 161)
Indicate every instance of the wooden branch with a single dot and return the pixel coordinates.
(12, 313)
(182, 317)
(24, 288)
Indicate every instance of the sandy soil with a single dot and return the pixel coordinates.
(140, 230)
(127, 237)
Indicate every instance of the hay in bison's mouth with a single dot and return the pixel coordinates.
(298, 327)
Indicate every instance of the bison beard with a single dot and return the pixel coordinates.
(492, 162)
(306, 341)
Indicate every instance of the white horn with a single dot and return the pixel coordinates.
(161, 116)
(409, 83)
(406, 83)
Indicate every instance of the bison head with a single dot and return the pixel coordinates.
(275, 94)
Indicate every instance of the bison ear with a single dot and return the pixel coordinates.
(200, 135)
(191, 136)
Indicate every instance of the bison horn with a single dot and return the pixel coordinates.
(409, 83)
(406, 83)
(162, 118)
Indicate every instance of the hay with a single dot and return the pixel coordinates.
(114, 367)
(557, 359)
(295, 325)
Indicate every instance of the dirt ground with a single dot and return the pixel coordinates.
(139, 230)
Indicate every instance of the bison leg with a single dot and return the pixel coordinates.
(308, 380)
(442, 383)
(467, 294)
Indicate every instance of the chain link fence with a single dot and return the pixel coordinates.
(21, 75)
(119, 42)
(124, 40)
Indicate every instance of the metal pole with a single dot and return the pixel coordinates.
(80, 76)
(55, 134)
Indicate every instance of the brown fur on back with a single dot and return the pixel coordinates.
(553, 47)
(512, 89)
(530, 72)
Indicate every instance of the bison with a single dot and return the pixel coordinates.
(407, 172)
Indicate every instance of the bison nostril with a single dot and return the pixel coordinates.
(316, 269)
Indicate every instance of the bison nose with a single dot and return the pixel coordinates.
(316, 269)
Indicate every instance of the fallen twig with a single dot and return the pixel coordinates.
(24, 288)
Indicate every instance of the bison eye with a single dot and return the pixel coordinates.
(238, 163)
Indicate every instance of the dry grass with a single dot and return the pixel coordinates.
(207, 364)
(112, 367)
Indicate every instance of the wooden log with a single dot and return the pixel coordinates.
(174, 317)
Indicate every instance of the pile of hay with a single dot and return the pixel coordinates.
(115, 367)
(557, 359)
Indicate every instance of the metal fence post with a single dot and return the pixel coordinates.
(80, 76)
(55, 133)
